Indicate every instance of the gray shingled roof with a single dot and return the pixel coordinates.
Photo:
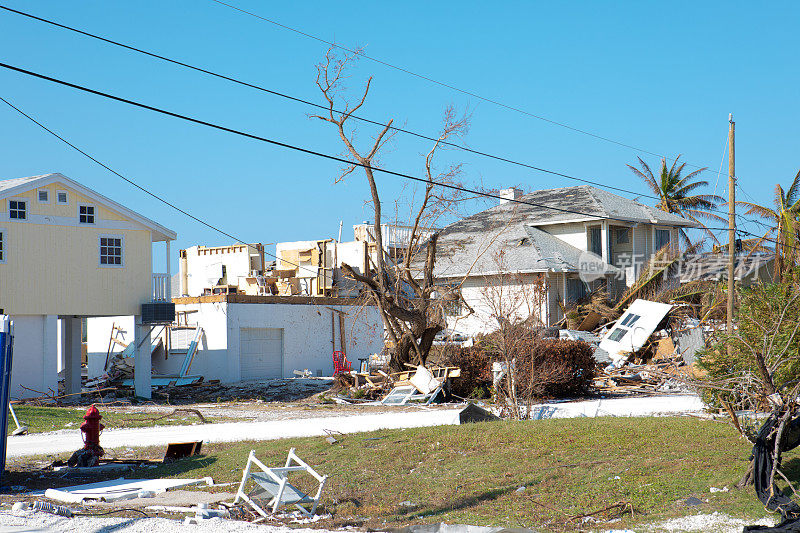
(472, 244)
(15, 182)
(583, 202)
(517, 248)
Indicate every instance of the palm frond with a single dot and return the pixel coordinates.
(793, 194)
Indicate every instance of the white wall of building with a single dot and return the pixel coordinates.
(35, 355)
(573, 233)
(201, 267)
(510, 295)
(306, 329)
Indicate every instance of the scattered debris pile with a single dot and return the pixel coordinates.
(422, 385)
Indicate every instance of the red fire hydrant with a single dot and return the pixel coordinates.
(91, 428)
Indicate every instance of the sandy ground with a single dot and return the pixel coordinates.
(31, 522)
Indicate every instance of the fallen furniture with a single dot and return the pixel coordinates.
(420, 385)
(273, 483)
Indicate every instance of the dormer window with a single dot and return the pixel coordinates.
(18, 209)
(44, 196)
(86, 214)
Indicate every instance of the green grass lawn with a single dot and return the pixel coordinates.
(41, 419)
(471, 474)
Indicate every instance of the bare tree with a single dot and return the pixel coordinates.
(406, 300)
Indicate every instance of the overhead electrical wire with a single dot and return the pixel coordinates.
(326, 108)
(141, 188)
(316, 105)
(446, 85)
(270, 141)
(283, 144)
(234, 237)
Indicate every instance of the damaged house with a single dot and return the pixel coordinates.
(314, 268)
(68, 253)
(532, 258)
(239, 318)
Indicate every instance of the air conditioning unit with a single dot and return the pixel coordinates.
(158, 313)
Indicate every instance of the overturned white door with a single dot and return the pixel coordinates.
(261, 353)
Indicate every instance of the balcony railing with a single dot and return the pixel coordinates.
(161, 288)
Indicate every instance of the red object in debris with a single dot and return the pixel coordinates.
(91, 429)
(340, 363)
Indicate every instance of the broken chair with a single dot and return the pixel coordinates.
(273, 483)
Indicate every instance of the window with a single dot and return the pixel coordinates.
(111, 251)
(662, 238)
(62, 197)
(86, 214)
(450, 296)
(44, 196)
(2, 246)
(623, 235)
(617, 334)
(630, 320)
(595, 241)
(18, 209)
(576, 290)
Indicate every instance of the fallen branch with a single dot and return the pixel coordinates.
(619, 505)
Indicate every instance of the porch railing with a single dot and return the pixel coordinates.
(161, 288)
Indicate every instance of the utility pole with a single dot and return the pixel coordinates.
(731, 223)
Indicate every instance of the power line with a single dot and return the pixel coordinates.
(283, 144)
(319, 106)
(146, 191)
(296, 148)
(447, 85)
(326, 108)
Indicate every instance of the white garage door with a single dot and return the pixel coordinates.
(261, 352)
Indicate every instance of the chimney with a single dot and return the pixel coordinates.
(512, 193)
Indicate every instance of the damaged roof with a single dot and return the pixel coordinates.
(517, 248)
(473, 244)
(584, 202)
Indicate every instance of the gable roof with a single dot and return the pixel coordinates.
(472, 244)
(516, 248)
(584, 202)
(15, 186)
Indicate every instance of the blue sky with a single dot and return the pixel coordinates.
(661, 77)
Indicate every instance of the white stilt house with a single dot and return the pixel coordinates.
(68, 253)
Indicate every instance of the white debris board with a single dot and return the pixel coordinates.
(119, 489)
(633, 329)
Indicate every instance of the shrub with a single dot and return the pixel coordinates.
(543, 368)
(476, 370)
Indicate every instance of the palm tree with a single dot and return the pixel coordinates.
(786, 219)
(675, 194)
